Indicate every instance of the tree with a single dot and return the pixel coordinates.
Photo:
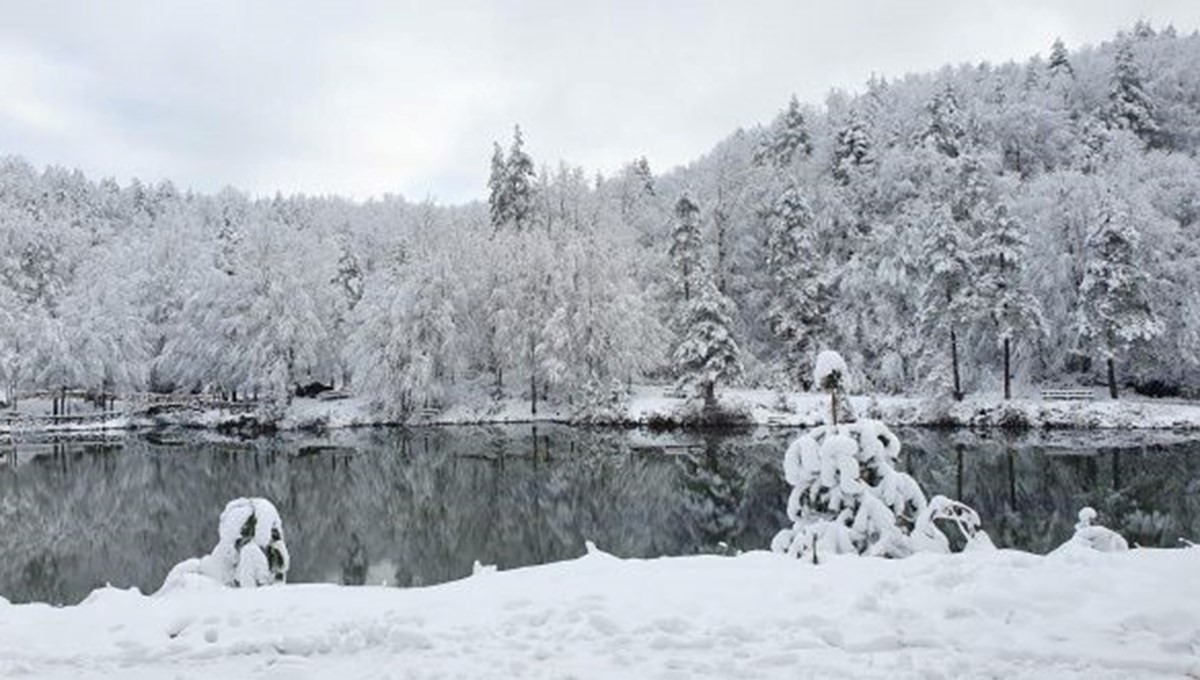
(998, 291)
(707, 354)
(686, 245)
(499, 208)
(947, 259)
(787, 136)
(848, 497)
(945, 131)
(1059, 64)
(1114, 311)
(794, 309)
(1129, 106)
(519, 181)
(852, 147)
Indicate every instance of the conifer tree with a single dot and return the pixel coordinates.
(1129, 105)
(999, 294)
(686, 245)
(707, 353)
(498, 201)
(852, 147)
(519, 180)
(794, 308)
(787, 136)
(1114, 309)
(1059, 63)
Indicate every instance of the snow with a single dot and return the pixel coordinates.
(830, 364)
(659, 405)
(996, 614)
(249, 529)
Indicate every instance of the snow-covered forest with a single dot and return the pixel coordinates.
(932, 228)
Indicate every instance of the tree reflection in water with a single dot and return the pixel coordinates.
(411, 507)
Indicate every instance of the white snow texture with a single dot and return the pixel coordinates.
(250, 550)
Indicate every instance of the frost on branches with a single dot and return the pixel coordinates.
(250, 550)
(848, 497)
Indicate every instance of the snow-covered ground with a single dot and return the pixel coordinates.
(653, 405)
(1005, 614)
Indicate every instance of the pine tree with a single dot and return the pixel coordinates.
(498, 200)
(686, 245)
(946, 255)
(794, 310)
(852, 147)
(519, 180)
(1059, 64)
(1114, 310)
(707, 354)
(1129, 106)
(999, 294)
(787, 136)
(945, 130)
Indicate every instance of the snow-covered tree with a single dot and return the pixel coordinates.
(707, 353)
(848, 497)
(787, 137)
(853, 147)
(999, 293)
(519, 182)
(1114, 311)
(1129, 105)
(250, 550)
(794, 307)
(1059, 63)
(947, 260)
(686, 245)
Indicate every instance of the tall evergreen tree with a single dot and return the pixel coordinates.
(794, 308)
(707, 353)
(852, 147)
(519, 179)
(999, 293)
(787, 136)
(499, 207)
(1059, 64)
(948, 260)
(686, 245)
(1129, 106)
(1115, 312)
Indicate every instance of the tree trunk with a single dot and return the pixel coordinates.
(1007, 372)
(833, 407)
(1112, 379)
(533, 393)
(710, 396)
(958, 393)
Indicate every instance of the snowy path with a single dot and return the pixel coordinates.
(996, 615)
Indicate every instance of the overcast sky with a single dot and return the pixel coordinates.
(367, 98)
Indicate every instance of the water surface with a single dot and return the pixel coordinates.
(413, 507)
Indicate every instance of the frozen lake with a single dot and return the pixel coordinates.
(419, 506)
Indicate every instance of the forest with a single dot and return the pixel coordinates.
(943, 231)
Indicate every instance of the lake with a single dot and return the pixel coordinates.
(412, 507)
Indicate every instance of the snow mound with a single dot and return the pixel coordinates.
(250, 551)
(1090, 536)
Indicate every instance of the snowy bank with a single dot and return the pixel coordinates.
(649, 406)
(1075, 614)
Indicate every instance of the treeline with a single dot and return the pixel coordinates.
(1039, 215)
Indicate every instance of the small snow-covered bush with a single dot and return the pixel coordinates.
(250, 549)
(1093, 536)
(848, 497)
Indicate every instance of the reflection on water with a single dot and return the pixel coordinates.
(412, 507)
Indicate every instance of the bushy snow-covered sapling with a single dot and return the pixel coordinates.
(848, 497)
(250, 549)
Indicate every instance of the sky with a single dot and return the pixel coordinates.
(362, 98)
